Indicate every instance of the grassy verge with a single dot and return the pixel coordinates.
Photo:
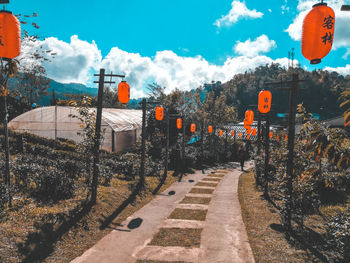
(262, 222)
(41, 233)
(177, 237)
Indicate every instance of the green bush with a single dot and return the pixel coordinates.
(338, 233)
(45, 179)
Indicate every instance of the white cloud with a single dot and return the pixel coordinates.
(345, 56)
(341, 70)
(238, 10)
(261, 44)
(78, 60)
(72, 61)
(342, 21)
(285, 7)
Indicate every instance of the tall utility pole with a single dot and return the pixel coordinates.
(166, 146)
(291, 134)
(143, 143)
(202, 146)
(267, 155)
(259, 130)
(183, 143)
(96, 148)
(7, 151)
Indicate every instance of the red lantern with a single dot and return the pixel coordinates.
(123, 92)
(265, 98)
(232, 133)
(210, 129)
(240, 135)
(193, 127)
(10, 32)
(270, 134)
(318, 32)
(221, 132)
(254, 132)
(159, 113)
(278, 138)
(179, 123)
(286, 138)
(249, 116)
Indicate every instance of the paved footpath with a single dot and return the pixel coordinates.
(223, 235)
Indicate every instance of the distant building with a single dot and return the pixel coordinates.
(121, 127)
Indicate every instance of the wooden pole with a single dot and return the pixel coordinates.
(166, 161)
(259, 129)
(202, 146)
(267, 155)
(7, 153)
(96, 148)
(291, 134)
(183, 143)
(143, 143)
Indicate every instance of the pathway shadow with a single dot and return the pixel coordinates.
(135, 223)
(308, 239)
(40, 244)
(131, 199)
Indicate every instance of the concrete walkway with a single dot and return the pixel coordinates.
(223, 237)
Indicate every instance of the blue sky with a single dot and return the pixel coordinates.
(179, 44)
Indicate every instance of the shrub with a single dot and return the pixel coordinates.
(338, 232)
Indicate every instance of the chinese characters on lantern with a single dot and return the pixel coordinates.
(328, 22)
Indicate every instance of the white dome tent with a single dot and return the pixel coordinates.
(121, 127)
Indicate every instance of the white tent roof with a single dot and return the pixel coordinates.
(55, 121)
(121, 119)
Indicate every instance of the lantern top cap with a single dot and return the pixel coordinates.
(5, 11)
(319, 4)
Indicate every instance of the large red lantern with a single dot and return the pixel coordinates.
(179, 123)
(318, 32)
(265, 98)
(210, 129)
(123, 92)
(221, 132)
(159, 113)
(249, 116)
(193, 127)
(10, 32)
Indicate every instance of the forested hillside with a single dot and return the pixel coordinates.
(320, 90)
